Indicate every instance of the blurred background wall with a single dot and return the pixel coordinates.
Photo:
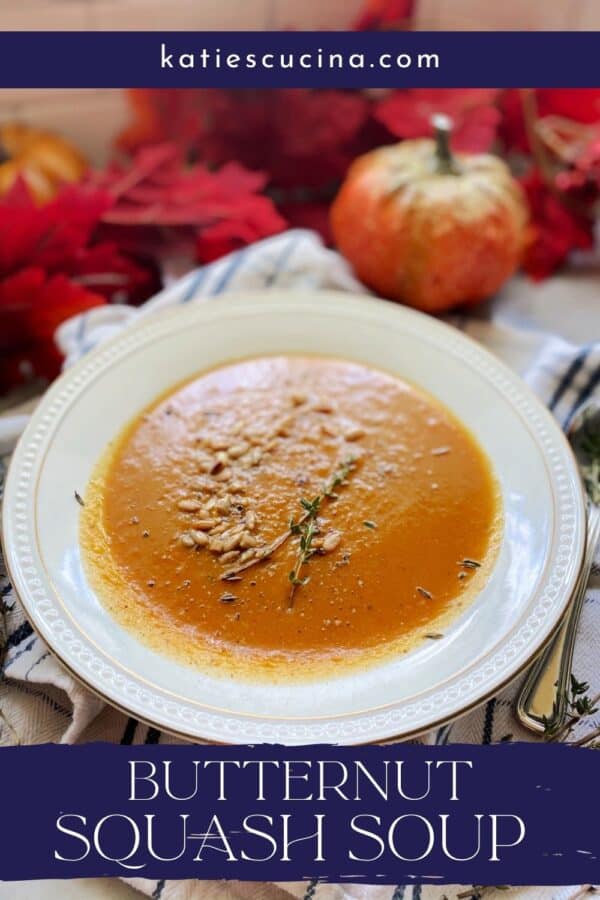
(276, 14)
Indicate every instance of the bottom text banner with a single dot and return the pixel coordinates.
(502, 814)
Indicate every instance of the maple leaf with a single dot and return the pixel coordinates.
(163, 114)
(50, 235)
(222, 210)
(588, 161)
(52, 267)
(32, 305)
(408, 114)
(556, 229)
(297, 137)
(577, 104)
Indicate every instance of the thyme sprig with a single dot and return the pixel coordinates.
(307, 526)
(4, 610)
(579, 705)
(590, 444)
(264, 553)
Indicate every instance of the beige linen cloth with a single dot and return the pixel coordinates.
(41, 702)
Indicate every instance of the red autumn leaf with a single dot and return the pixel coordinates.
(51, 267)
(222, 209)
(556, 229)
(32, 305)
(52, 236)
(119, 276)
(299, 138)
(223, 237)
(384, 14)
(314, 216)
(164, 114)
(408, 114)
(577, 104)
(582, 176)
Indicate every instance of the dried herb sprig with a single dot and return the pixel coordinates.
(590, 444)
(579, 705)
(264, 553)
(4, 610)
(307, 526)
(3, 635)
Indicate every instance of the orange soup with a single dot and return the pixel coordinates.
(290, 510)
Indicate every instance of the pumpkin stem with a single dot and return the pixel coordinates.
(445, 162)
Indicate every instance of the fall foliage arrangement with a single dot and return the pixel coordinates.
(199, 173)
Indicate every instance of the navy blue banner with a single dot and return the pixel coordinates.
(299, 59)
(504, 814)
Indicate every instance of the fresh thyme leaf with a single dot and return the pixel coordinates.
(79, 498)
(307, 526)
(590, 444)
(425, 593)
(369, 524)
(578, 687)
(579, 705)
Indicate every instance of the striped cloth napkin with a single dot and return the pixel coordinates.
(41, 702)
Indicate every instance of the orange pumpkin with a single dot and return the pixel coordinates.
(44, 160)
(428, 228)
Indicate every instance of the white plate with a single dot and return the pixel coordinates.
(509, 621)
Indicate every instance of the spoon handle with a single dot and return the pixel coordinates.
(542, 701)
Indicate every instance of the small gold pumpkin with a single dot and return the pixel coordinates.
(44, 160)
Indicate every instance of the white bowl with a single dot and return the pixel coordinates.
(487, 645)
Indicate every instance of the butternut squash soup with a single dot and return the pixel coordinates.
(290, 516)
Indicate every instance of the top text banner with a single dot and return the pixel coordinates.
(299, 59)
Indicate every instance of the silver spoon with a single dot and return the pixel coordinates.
(542, 703)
